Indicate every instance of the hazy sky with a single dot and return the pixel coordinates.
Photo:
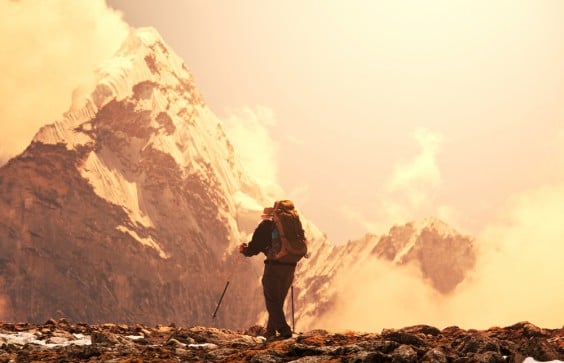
(367, 113)
(377, 112)
(384, 111)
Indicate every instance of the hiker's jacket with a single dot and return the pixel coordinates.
(262, 239)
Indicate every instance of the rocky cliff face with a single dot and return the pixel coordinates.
(129, 209)
(126, 210)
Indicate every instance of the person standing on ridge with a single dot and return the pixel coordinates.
(279, 224)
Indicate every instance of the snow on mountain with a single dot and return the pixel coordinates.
(177, 123)
(144, 57)
(440, 227)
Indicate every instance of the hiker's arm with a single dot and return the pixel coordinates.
(261, 239)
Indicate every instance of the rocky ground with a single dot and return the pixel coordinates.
(61, 341)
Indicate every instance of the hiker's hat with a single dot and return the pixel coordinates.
(267, 212)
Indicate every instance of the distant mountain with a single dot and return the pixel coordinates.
(441, 254)
(129, 209)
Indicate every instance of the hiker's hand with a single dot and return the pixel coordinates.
(242, 247)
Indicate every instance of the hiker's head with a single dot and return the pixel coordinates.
(267, 213)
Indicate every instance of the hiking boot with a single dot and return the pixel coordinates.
(270, 335)
(286, 334)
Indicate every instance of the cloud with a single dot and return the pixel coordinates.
(248, 131)
(412, 176)
(377, 295)
(408, 192)
(48, 50)
(412, 182)
(518, 277)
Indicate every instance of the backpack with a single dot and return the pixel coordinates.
(288, 239)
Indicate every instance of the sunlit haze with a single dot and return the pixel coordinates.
(365, 113)
(352, 86)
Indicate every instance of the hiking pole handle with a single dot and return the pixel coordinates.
(220, 299)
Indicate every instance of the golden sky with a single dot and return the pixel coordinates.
(384, 111)
(375, 112)
(367, 113)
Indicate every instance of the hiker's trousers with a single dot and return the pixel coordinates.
(276, 282)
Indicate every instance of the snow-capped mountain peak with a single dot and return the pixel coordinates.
(435, 224)
(143, 60)
(416, 228)
(144, 101)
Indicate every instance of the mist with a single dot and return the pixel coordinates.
(49, 49)
(249, 130)
(518, 277)
(377, 295)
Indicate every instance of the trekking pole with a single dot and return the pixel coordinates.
(225, 288)
(220, 299)
(293, 322)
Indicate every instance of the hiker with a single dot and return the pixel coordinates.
(278, 271)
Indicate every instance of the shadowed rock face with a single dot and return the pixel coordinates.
(60, 340)
(63, 255)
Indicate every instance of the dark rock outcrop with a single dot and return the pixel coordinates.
(111, 342)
